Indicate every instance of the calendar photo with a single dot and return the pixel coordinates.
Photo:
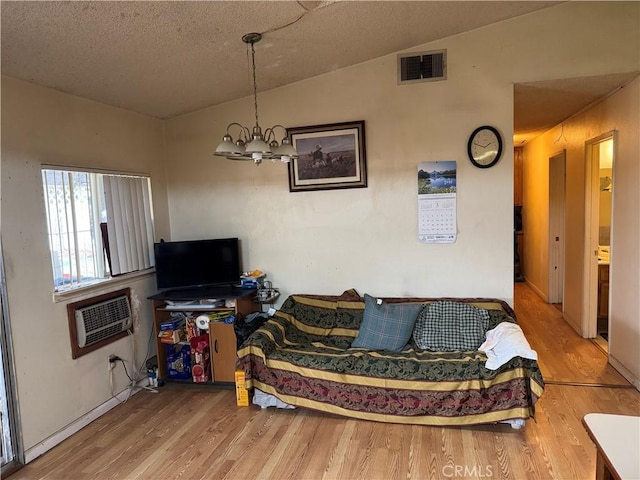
(437, 177)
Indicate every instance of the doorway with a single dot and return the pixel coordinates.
(600, 157)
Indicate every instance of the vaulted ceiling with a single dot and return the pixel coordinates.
(167, 58)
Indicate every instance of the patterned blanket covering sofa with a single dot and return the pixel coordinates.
(305, 356)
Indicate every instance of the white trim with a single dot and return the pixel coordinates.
(590, 250)
(12, 414)
(537, 290)
(102, 286)
(624, 371)
(48, 443)
(589, 324)
(572, 323)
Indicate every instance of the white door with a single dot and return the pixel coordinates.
(556, 227)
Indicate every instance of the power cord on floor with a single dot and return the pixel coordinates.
(141, 371)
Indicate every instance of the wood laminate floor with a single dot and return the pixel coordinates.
(563, 355)
(187, 432)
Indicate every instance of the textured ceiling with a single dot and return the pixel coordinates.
(541, 105)
(169, 58)
(166, 58)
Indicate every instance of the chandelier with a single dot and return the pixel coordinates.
(253, 145)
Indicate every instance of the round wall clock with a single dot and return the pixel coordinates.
(484, 147)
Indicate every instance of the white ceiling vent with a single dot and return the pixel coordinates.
(422, 67)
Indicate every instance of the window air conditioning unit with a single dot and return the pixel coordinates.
(97, 322)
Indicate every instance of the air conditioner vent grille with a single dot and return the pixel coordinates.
(102, 320)
(422, 67)
(101, 334)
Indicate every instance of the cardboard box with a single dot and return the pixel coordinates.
(200, 355)
(174, 324)
(170, 336)
(242, 394)
(179, 361)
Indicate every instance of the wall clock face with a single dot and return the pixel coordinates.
(484, 147)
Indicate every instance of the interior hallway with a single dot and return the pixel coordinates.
(563, 355)
(197, 432)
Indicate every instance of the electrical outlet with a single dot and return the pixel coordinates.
(112, 361)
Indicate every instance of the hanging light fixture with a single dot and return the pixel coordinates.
(253, 145)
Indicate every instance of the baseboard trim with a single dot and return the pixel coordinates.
(572, 323)
(64, 433)
(536, 289)
(624, 371)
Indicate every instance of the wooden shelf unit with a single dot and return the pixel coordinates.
(222, 337)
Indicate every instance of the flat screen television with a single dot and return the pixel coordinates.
(197, 263)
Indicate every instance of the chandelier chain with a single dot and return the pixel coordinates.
(255, 87)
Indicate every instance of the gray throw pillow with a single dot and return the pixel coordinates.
(386, 326)
(450, 326)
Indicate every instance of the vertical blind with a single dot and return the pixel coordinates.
(129, 223)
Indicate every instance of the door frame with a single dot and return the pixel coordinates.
(9, 379)
(591, 231)
(556, 240)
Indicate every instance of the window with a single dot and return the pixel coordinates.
(100, 225)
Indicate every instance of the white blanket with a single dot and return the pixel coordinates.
(265, 400)
(505, 342)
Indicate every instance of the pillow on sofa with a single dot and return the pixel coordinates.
(448, 326)
(386, 326)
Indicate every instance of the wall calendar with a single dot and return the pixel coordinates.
(437, 202)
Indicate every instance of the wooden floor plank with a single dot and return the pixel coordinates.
(563, 355)
(197, 432)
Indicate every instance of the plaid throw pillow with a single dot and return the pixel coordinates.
(386, 326)
(451, 326)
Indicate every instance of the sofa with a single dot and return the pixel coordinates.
(328, 353)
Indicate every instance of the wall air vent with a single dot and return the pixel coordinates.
(422, 67)
(102, 320)
(97, 321)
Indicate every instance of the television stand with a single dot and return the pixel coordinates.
(222, 337)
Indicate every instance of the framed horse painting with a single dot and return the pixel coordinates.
(330, 156)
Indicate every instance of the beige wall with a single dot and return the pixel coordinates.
(619, 112)
(314, 241)
(328, 241)
(39, 126)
